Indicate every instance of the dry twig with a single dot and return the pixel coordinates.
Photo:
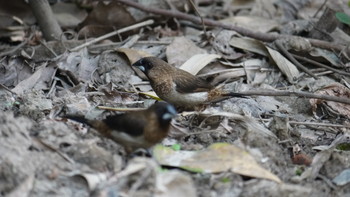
(296, 93)
(266, 37)
(320, 65)
(280, 46)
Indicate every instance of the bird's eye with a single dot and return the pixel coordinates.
(149, 65)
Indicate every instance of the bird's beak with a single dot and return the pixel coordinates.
(170, 114)
(139, 65)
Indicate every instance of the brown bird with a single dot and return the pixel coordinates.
(135, 129)
(179, 87)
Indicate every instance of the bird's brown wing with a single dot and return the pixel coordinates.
(188, 83)
(130, 123)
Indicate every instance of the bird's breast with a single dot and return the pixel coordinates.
(185, 99)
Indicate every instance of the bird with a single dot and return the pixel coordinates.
(135, 129)
(180, 87)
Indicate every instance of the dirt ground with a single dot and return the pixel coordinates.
(260, 145)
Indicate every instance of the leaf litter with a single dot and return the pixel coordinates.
(257, 146)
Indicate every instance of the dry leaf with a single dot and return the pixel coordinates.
(248, 44)
(337, 90)
(24, 188)
(252, 22)
(174, 183)
(93, 180)
(180, 50)
(286, 67)
(198, 62)
(133, 55)
(218, 157)
(28, 83)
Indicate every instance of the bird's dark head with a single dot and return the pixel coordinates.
(164, 111)
(148, 63)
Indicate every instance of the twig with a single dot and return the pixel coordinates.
(320, 65)
(14, 49)
(324, 73)
(119, 109)
(280, 46)
(296, 93)
(328, 182)
(318, 124)
(47, 21)
(320, 8)
(7, 89)
(267, 37)
(48, 146)
(197, 11)
(125, 29)
(48, 48)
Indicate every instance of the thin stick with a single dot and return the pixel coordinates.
(320, 8)
(295, 93)
(320, 65)
(292, 59)
(14, 49)
(125, 29)
(50, 147)
(197, 11)
(119, 109)
(267, 37)
(7, 89)
(319, 124)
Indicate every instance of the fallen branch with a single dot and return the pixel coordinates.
(280, 46)
(113, 33)
(296, 93)
(266, 37)
(320, 65)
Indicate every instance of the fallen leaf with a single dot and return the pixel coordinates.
(28, 83)
(174, 183)
(343, 178)
(335, 89)
(133, 54)
(286, 67)
(218, 157)
(248, 44)
(197, 62)
(24, 188)
(93, 179)
(252, 22)
(180, 50)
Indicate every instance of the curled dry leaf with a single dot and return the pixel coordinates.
(198, 62)
(337, 90)
(133, 55)
(93, 180)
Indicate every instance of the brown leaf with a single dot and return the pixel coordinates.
(337, 90)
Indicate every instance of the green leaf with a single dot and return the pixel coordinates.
(342, 17)
(176, 147)
(225, 180)
(299, 171)
(343, 146)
